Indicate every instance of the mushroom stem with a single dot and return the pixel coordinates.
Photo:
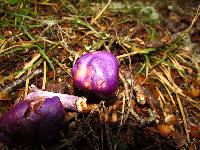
(70, 102)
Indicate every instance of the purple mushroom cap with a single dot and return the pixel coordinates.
(97, 72)
(32, 122)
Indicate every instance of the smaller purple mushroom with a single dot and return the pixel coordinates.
(29, 121)
(97, 72)
(39, 117)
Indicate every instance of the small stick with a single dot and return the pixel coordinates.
(9, 88)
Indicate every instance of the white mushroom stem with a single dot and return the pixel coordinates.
(70, 102)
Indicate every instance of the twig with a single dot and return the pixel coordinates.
(9, 88)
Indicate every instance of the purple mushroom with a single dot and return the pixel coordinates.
(97, 72)
(39, 117)
(29, 121)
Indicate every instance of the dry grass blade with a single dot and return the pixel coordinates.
(193, 63)
(197, 114)
(193, 21)
(64, 67)
(169, 93)
(125, 98)
(62, 35)
(183, 117)
(27, 83)
(136, 51)
(9, 48)
(171, 86)
(170, 83)
(162, 100)
(29, 64)
(4, 43)
(179, 68)
(44, 76)
(175, 88)
(101, 12)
